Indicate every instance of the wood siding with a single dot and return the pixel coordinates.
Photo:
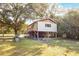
(41, 26)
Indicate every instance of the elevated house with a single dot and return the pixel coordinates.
(43, 28)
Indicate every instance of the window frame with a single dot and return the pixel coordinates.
(48, 25)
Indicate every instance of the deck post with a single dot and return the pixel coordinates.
(37, 35)
(56, 35)
(48, 34)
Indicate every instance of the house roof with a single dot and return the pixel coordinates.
(37, 20)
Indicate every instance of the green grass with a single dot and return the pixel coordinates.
(26, 47)
(73, 45)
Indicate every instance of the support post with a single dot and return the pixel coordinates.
(56, 35)
(37, 35)
(49, 34)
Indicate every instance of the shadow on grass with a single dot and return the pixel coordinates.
(22, 48)
(33, 52)
(33, 48)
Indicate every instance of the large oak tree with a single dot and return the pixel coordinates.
(14, 15)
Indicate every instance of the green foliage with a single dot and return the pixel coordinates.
(72, 18)
(14, 15)
(70, 25)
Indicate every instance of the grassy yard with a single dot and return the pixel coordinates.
(26, 47)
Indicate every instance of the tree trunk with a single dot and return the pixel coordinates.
(16, 38)
(3, 33)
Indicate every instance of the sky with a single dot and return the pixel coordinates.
(66, 6)
(69, 5)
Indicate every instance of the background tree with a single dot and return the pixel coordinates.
(70, 24)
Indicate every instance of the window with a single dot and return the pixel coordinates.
(47, 25)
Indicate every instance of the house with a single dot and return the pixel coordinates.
(43, 28)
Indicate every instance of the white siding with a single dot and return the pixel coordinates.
(41, 27)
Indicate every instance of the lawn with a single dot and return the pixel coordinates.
(27, 47)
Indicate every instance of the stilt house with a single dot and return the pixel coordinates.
(43, 28)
